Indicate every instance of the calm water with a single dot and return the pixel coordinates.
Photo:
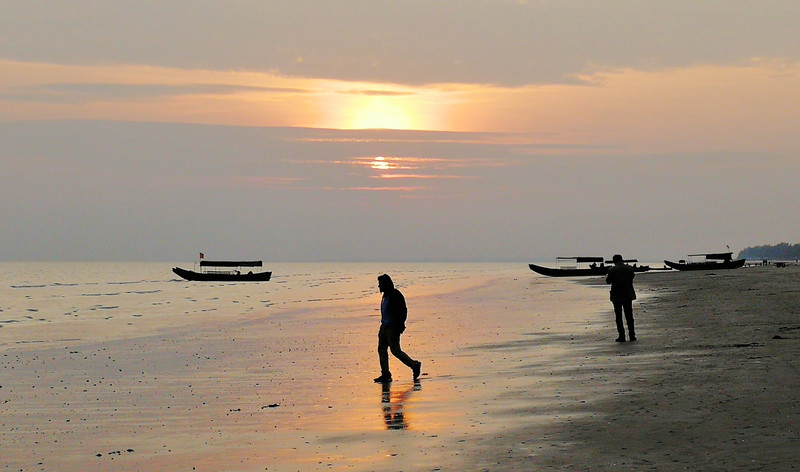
(39, 301)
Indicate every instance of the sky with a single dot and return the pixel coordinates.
(474, 130)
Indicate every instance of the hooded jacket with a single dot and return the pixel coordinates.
(393, 309)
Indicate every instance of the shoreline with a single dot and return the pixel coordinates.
(713, 383)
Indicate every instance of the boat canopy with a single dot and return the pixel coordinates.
(717, 256)
(230, 263)
(581, 259)
(626, 261)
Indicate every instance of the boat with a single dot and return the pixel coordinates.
(709, 261)
(224, 271)
(576, 267)
(570, 267)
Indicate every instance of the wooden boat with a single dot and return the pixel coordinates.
(710, 261)
(224, 271)
(571, 267)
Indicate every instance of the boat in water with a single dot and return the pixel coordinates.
(224, 271)
(581, 266)
(710, 261)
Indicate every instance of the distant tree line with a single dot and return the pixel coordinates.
(782, 251)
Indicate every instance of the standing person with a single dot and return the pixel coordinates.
(620, 276)
(393, 323)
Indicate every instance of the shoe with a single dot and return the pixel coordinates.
(416, 369)
(633, 338)
(383, 379)
(620, 339)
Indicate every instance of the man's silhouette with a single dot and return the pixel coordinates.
(393, 323)
(620, 276)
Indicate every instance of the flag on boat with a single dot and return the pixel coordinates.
(202, 255)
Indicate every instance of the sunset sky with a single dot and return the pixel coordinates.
(414, 130)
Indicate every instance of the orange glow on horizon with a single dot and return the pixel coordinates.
(379, 113)
(376, 106)
(628, 110)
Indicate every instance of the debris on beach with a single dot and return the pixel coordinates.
(112, 453)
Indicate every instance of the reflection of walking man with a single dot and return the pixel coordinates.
(393, 323)
(620, 276)
(393, 405)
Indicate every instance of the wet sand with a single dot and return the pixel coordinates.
(713, 383)
(512, 380)
(289, 391)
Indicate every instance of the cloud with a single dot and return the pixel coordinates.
(83, 92)
(263, 181)
(749, 105)
(378, 93)
(105, 187)
(423, 176)
(386, 189)
(508, 43)
(396, 168)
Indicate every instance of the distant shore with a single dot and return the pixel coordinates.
(712, 384)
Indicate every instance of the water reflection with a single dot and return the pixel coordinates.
(393, 402)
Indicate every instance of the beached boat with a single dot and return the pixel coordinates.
(577, 267)
(224, 271)
(573, 267)
(710, 261)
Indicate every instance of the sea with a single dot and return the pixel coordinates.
(41, 301)
(126, 366)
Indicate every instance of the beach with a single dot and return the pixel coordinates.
(713, 383)
(520, 372)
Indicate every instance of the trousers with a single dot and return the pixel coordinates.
(625, 306)
(389, 339)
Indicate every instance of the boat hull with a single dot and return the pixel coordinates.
(226, 277)
(578, 272)
(733, 264)
(553, 272)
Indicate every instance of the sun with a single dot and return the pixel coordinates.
(367, 106)
(380, 113)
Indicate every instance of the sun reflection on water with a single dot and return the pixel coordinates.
(380, 163)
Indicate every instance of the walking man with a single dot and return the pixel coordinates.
(393, 323)
(620, 276)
